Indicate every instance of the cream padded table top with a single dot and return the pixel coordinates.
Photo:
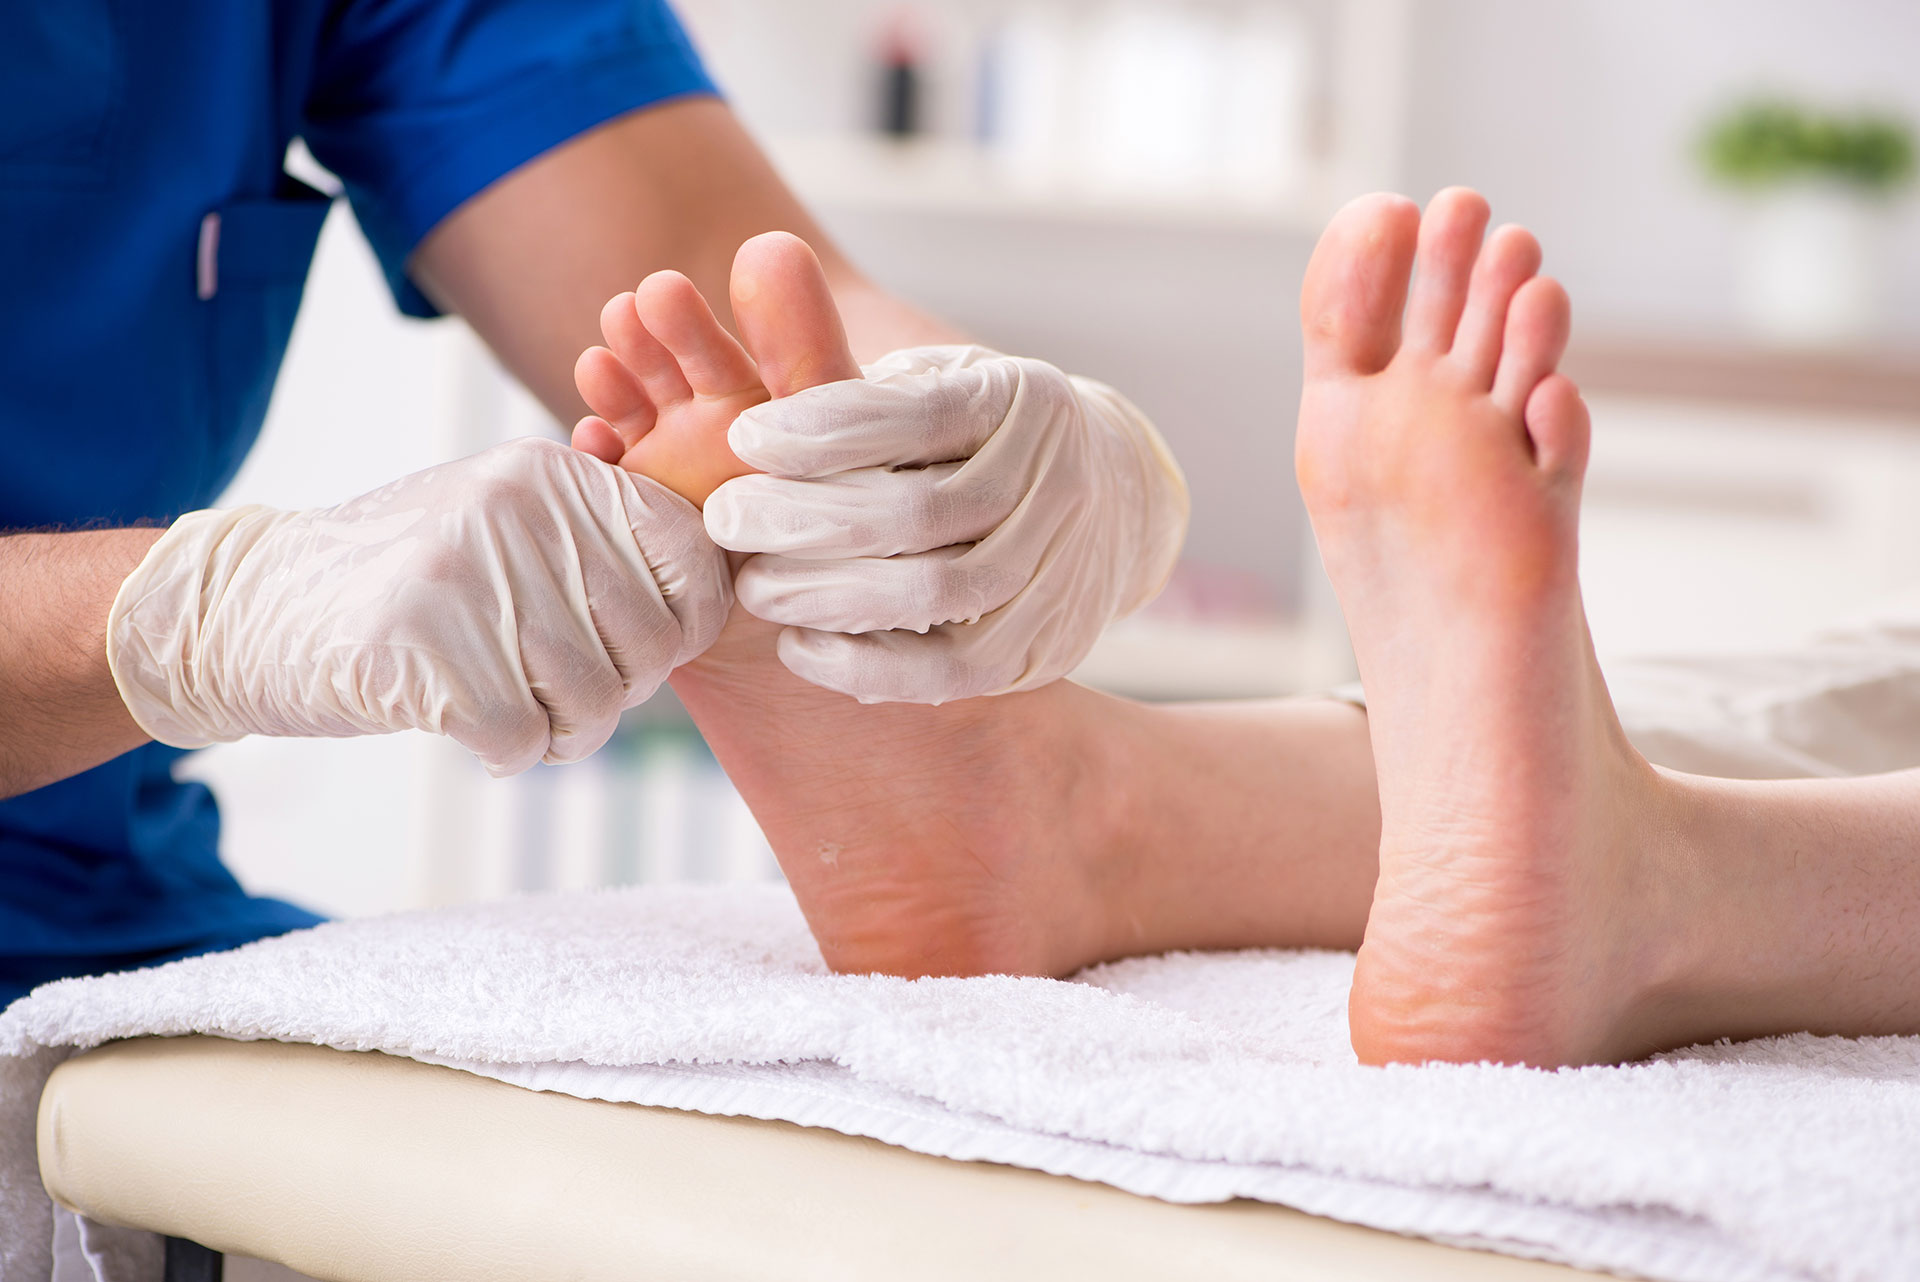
(369, 1168)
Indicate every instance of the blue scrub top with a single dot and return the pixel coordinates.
(138, 347)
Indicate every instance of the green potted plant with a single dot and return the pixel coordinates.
(1818, 184)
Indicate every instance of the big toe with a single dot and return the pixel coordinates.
(1356, 286)
(787, 315)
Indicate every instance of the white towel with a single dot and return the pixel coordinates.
(1189, 1077)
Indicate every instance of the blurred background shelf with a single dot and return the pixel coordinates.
(1153, 658)
(1872, 380)
(947, 178)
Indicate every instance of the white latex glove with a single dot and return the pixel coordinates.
(957, 523)
(517, 601)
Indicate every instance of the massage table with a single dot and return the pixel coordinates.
(363, 1167)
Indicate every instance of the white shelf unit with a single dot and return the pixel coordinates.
(1725, 529)
(949, 179)
(1171, 660)
(820, 135)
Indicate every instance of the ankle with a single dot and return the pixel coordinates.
(1104, 905)
(1674, 971)
(1048, 766)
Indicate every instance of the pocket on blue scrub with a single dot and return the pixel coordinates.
(250, 272)
(59, 81)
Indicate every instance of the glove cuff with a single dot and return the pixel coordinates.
(156, 629)
(1165, 504)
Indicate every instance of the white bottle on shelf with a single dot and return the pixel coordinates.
(1150, 104)
(1266, 125)
(1031, 80)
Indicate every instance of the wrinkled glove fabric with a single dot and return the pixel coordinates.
(957, 523)
(516, 601)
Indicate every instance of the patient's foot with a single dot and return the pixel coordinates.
(1441, 458)
(962, 839)
(655, 412)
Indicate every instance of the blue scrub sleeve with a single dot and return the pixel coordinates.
(419, 104)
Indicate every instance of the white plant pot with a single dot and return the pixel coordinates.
(1814, 262)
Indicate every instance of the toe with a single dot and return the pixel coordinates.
(1538, 323)
(1450, 235)
(710, 359)
(594, 435)
(1560, 427)
(1356, 287)
(612, 392)
(1510, 259)
(651, 365)
(787, 315)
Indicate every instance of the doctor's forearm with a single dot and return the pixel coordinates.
(60, 713)
(530, 261)
(877, 322)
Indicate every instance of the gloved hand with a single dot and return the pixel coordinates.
(517, 601)
(958, 523)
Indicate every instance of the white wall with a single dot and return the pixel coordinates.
(1577, 117)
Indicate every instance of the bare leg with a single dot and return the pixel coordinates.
(1546, 896)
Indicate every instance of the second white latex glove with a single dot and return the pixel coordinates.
(516, 600)
(957, 523)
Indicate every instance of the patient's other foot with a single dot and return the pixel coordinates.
(1441, 457)
(962, 839)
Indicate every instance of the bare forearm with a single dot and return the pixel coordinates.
(878, 323)
(59, 711)
(530, 261)
(1252, 824)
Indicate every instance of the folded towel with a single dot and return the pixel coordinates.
(1187, 1077)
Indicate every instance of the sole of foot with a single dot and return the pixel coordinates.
(953, 840)
(1441, 457)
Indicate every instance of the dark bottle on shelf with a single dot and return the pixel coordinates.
(899, 114)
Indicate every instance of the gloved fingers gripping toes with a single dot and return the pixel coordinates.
(914, 591)
(635, 583)
(908, 418)
(506, 732)
(873, 594)
(502, 758)
(573, 741)
(514, 601)
(690, 573)
(870, 511)
(1023, 644)
(563, 569)
(580, 692)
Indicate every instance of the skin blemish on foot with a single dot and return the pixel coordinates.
(829, 852)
